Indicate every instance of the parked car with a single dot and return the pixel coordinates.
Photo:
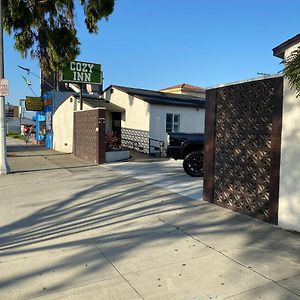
(189, 147)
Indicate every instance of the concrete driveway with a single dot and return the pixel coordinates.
(167, 174)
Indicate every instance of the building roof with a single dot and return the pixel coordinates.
(244, 81)
(96, 103)
(184, 86)
(93, 102)
(157, 97)
(280, 49)
(25, 121)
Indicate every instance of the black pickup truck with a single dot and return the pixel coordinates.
(189, 147)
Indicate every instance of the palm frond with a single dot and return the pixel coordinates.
(292, 70)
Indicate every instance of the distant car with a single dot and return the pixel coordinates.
(189, 147)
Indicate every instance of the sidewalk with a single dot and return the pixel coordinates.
(76, 231)
(22, 158)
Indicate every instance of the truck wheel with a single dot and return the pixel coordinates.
(193, 164)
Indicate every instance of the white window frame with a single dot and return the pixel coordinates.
(174, 124)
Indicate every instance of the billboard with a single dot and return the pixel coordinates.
(82, 72)
(33, 103)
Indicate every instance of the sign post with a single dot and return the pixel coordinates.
(82, 73)
(4, 167)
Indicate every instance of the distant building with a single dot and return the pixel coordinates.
(15, 124)
(185, 89)
(13, 121)
(11, 111)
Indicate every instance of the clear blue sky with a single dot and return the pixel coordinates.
(155, 44)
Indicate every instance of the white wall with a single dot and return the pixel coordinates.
(136, 115)
(191, 120)
(289, 189)
(63, 126)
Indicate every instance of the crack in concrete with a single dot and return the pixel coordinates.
(119, 272)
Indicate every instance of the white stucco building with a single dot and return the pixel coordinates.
(289, 187)
(141, 118)
(148, 116)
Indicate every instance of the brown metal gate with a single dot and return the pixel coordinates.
(89, 135)
(242, 147)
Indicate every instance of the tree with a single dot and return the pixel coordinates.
(45, 28)
(292, 70)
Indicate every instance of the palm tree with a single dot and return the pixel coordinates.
(292, 70)
(45, 29)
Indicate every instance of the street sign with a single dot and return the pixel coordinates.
(47, 102)
(82, 72)
(33, 103)
(41, 118)
(3, 87)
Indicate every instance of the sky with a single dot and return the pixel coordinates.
(156, 44)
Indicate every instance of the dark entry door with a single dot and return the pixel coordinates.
(116, 125)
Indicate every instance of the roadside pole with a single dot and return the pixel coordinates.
(21, 113)
(4, 167)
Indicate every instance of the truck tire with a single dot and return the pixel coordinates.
(193, 164)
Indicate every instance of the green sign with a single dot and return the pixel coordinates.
(33, 103)
(82, 72)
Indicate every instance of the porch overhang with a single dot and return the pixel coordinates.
(113, 107)
(103, 103)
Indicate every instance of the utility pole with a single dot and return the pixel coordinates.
(4, 167)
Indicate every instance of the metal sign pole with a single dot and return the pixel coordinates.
(81, 102)
(21, 113)
(4, 167)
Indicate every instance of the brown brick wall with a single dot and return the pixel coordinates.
(89, 135)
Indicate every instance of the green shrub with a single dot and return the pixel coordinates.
(14, 135)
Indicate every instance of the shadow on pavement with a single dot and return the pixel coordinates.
(95, 225)
(103, 223)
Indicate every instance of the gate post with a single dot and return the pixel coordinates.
(100, 142)
(209, 146)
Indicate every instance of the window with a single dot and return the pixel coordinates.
(176, 123)
(169, 123)
(172, 123)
